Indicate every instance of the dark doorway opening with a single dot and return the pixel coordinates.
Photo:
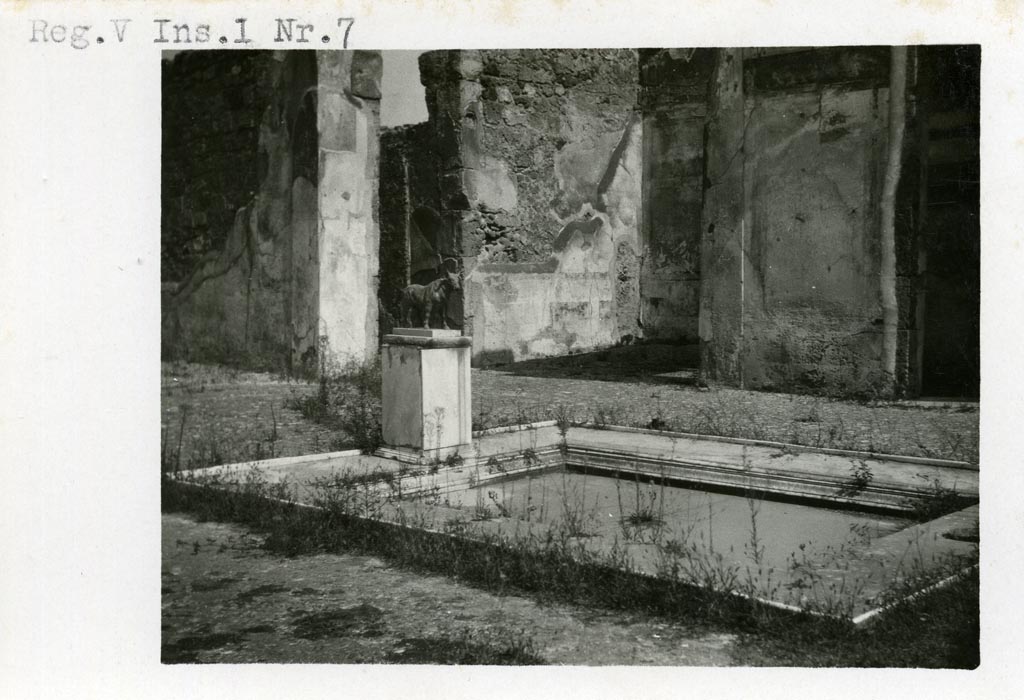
(950, 241)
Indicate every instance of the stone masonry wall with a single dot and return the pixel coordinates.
(540, 171)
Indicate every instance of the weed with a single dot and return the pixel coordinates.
(950, 444)
(755, 547)
(468, 648)
(936, 501)
(481, 511)
(205, 452)
(657, 421)
(272, 436)
(483, 418)
(813, 415)
(643, 519)
(608, 416)
(452, 461)
(315, 407)
(727, 419)
(833, 435)
(503, 504)
(347, 399)
(454, 526)
(360, 407)
(861, 477)
(564, 418)
(576, 519)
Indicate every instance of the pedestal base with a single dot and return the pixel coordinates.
(427, 414)
(457, 455)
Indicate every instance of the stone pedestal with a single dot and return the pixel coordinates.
(426, 394)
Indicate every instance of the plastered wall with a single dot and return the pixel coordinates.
(540, 181)
(284, 279)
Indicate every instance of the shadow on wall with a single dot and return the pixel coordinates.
(249, 297)
(293, 273)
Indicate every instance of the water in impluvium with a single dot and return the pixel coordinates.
(642, 515)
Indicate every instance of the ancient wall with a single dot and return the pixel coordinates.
(790, 273)
(348, 119)
(268, 290)
(540, 174)
(674, 94)
(212, 108)
(722, 226)
(239, 299)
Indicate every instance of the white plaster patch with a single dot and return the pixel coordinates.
(343, 186)
(545, 347)
(491, 186)
(517, 313)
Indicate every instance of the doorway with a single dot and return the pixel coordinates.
(950, 236)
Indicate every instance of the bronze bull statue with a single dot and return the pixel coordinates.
(420, 301)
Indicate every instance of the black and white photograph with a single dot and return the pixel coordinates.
(571, 356)
(525, 348)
